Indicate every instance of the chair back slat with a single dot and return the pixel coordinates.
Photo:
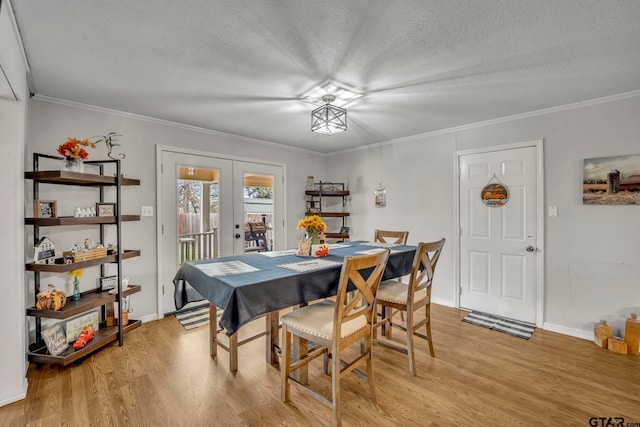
(362, 299)
(388, 236)
(424, 265)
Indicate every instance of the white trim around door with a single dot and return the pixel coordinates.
(540, 203)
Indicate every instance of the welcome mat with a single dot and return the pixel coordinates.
(516, 328)
(195, 317)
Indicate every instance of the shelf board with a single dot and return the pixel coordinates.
(62, 268)
(70, 220)
(104, 337)
(329, 214)
(88, 300)
(336, 236)
(77, 178)
(326, 193)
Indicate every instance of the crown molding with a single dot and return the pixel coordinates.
(506, 119)
(163, 122)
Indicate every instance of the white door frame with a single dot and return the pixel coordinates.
(540, 203)
(160, 202)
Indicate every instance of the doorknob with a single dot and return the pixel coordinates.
(530, 249)
(237, 235)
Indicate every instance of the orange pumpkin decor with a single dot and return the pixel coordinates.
(51, 299)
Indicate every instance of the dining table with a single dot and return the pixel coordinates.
(248, 286)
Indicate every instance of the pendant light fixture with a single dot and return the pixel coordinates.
(329, 119)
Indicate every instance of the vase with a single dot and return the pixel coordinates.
(314, 236)
(72, 164)
(76, 289)
(310, 184)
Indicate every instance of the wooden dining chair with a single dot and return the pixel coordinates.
(334, 326)
(387, 236)
(394, 296)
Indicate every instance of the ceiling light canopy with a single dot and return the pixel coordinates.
(329, 119)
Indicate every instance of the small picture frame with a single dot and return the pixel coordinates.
(344, 231)
(313, 206)
(44, 209)
(105, 209)
(107, 283)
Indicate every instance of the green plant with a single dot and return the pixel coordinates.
(109, 140)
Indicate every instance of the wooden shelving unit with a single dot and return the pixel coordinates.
(316, 205)
(89, 300)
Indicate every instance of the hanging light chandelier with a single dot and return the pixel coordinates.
(329, 119)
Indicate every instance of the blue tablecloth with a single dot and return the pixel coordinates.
(245, 296)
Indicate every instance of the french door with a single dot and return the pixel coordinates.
(213, 207)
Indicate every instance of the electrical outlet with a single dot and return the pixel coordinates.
(146, 211)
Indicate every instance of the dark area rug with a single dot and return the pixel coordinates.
(512, 327)
(195, 317)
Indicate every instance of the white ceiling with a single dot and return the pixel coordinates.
(242, 66)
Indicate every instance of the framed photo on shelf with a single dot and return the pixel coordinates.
(44, 209)
(344, 231)
(105, 209)
(107, 283)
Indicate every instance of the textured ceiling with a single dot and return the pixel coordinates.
(242, 66)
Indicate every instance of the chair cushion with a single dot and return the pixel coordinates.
(396, 292)
(317, 320)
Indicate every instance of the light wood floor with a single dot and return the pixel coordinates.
(163, 376)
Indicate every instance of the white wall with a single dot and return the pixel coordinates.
(592, 254)
(50, 125)
(13, 384)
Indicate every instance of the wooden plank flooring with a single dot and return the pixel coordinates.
(163, 376)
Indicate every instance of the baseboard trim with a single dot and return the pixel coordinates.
(149, 318)
(578, 333)
(10, 398)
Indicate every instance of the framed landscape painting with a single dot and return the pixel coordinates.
(611, 180)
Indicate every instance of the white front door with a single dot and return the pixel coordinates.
(498, 245)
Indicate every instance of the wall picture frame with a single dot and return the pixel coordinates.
(105, 209)
(107, 283)
(44, 209)
(611, 180)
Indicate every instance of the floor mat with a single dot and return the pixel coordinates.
(195, 317)
(516, 328)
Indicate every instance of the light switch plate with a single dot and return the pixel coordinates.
(553, 211)
(146, 211)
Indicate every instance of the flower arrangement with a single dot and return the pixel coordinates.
(73, 148)
(312, 224)
(76, 274)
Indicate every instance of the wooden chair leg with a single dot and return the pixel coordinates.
(372, 385)
(428, 326)
(335, 389)
(410, 351)
(387, 328)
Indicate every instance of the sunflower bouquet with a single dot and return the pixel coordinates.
(312, 224)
